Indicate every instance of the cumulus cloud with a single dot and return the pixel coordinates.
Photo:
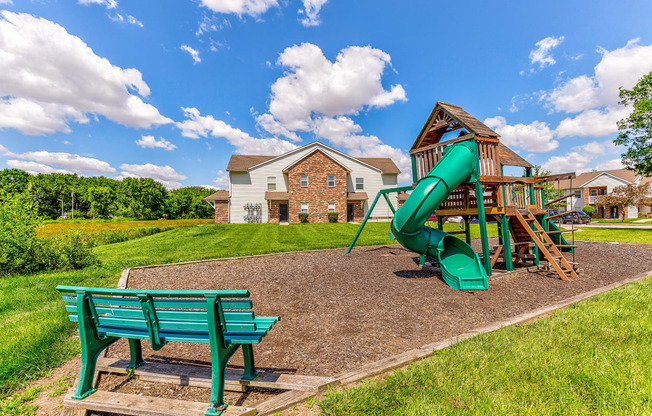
(240, 7)
(109, 4)
(163, 174)
(534, 137)
(542, 55)
(194, 53)
(34, 168)
(313, 84)
(151, 142)
(68, 161)
(195, 126)
(49, 78)
(6, 2)
(311, 10)
(268, 123)
(582, 158)
(222, 180)
(622, 67)
(592, 122)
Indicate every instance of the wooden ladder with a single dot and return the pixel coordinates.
(549, 250)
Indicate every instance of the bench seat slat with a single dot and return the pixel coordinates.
(175, 325)
(170, 336)
(180, 315)
(164, 303)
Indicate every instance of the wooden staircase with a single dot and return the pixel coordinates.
(540, 238)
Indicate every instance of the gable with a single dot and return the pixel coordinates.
(605, 179)
(317, 153)
(446, 118)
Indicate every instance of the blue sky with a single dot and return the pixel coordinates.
(170, 90)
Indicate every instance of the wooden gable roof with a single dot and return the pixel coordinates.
(445, 118)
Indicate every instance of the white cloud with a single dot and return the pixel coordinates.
(579, 159)
(195, 126)
(275, 127)
(621, 67)
(49, 78)
(68, 161)
(34, 168)
(164, 174)
(592, 123)
(6, 2)
(311, 10)
(240, 7)
(109, 4)
(542, 54)
(534, 137)
(193, 53)
(151, 142)
(134, 21)
(222, 180)
(313, 84)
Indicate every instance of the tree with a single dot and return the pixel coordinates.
(101, 198)
(625, 196)
(549, 190)
(141, 198)
(189, 203)
(636, 130)
(19, 246)
(14, 180)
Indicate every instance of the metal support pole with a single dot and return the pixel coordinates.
(440, 223)
(364, 222)
(507, 243)
(390, 204)
(479, 196)
(467, 229)
(414, 168)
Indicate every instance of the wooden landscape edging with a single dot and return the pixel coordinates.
(291, 398)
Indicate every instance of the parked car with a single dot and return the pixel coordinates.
(576, 218)
(550, 213)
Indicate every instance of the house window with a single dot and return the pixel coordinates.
(304, 207)
(359, 184)
(331, 207)
(578, 194)
(331, 180)
(304, 182)
(594, 192)
(271, 183)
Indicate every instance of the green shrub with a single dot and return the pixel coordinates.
(589, 210)
(19, 245)
(303, 217)
(332, 216)
(72, 251)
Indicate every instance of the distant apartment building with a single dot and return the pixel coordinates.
(589, 187)
(315, 179)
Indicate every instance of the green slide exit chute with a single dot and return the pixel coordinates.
(460, 265)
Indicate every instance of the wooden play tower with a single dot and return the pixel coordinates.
(526, 234)
(517, 204)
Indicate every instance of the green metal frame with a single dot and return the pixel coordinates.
(384, 193)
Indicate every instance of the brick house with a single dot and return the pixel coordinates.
(589, 187)
(315, 178)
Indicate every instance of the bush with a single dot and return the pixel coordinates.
(332, 216)
(19, 246)
(589, 210)
(303, 217)
(72, 251)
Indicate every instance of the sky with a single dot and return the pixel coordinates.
(170, 90)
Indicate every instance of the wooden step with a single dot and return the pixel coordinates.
(136, 405)
(193, 375)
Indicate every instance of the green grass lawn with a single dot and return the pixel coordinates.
(648, 221)
(590, 358)
(36, 333)
(61, 227)
(623, 235)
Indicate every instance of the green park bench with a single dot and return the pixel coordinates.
(221, 318)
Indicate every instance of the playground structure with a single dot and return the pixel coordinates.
(448, 176)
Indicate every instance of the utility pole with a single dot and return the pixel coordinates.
(72, 204)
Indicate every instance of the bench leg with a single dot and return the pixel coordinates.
(136, 353)
(218, 367)
(250, 372)
(92, 345)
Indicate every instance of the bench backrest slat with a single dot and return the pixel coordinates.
(164, 303)
(156, 293)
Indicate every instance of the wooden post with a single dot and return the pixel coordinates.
(467, 229)
(414, 168)
(479, 196)
(507, 243)
(440, 223)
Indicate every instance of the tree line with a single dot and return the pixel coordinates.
(100, 197)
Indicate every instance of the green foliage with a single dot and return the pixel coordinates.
(19, 245)
(13, 181)
(626, 195)
(303, 217)
(636, 130)
(332, 216)
(185, 203)
(550, 192)
(100, 199)
(589, 210)
(69, 252)
(141, 198)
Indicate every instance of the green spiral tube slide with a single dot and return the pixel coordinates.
(460, 265)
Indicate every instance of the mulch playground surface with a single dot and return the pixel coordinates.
(342, 311)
